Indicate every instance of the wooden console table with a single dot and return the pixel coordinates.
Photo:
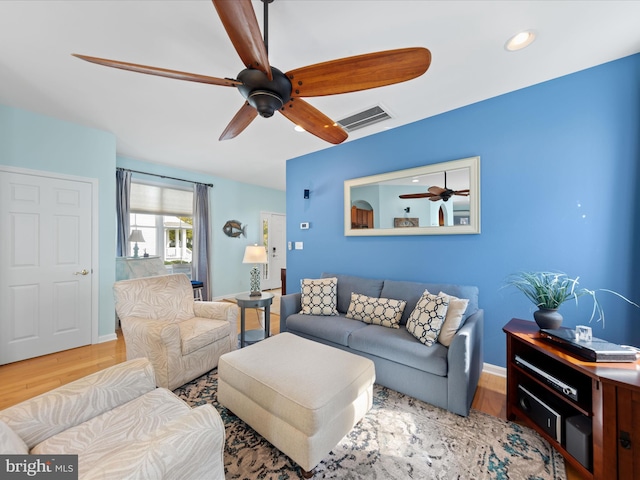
(608, 394)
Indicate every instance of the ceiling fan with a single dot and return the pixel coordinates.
(435, 193)
(267, 89)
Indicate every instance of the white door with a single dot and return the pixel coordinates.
(45, 265)
(274, 230)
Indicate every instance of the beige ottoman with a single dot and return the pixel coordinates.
(300, 395)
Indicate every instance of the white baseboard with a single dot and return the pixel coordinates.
(107, 338)
(494, 370)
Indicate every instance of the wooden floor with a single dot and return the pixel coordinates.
(22, 380)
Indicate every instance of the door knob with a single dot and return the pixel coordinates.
(82, 272)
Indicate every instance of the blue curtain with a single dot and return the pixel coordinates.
(201, 238)
(123, 189)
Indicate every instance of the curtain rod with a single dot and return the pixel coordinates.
(164, 176)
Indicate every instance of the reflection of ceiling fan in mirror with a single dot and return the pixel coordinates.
(435, 193)
(266, 89)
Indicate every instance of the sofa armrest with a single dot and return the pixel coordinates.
(226, 311)
(189, 447)
(41, 417)
(465, 360)
(289, 304)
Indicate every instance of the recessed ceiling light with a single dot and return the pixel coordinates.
(298, 128)
(520, 41)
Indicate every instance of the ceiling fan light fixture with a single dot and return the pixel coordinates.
(298, 128)
(520, 40)
(265, 102)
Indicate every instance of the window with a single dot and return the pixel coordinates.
(165, 217)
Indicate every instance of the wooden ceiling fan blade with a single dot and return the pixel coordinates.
(416, 195)
(313, 121)
(239, 122)
(161, 72)
(436, 190)
(361, 72)
(241, 24)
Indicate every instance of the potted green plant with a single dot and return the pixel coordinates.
(549, 290)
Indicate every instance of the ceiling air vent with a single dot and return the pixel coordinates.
(363, 119)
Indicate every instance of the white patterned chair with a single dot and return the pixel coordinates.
(120, 426)
(181, 338)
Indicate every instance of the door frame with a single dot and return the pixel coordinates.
(264, 214)
(95, 231)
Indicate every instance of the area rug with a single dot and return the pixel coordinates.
(400, 438)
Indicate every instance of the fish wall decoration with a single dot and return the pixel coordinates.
(234, 229)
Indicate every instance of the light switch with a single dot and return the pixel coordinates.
(299, 245)
(289, 245)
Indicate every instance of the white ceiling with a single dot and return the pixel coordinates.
(178, 123)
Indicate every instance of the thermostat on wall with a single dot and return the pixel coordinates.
(304, 226)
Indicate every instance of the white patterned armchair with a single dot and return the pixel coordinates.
(120, 426)
(183, 339)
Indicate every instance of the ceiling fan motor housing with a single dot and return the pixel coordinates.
(265, 95)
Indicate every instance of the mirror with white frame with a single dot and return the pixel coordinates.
(437, 199)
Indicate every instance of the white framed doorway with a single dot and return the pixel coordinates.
(48, 263)
(274, 239)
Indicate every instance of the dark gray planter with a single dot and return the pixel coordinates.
(548, 318)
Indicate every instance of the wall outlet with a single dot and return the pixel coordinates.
(304, 226)
(299, 245)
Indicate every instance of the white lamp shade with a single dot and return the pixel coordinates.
(255, 254)
(136, 236)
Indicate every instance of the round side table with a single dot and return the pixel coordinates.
(247, 301)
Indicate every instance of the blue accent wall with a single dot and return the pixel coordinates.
(559, 176)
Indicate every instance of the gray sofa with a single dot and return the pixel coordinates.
(445, 377)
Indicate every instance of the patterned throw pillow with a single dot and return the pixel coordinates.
(319, 297)
(377, 311)
(457, 307)
(427, 318)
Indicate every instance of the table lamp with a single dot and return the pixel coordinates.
(255, 254)
(136, 236)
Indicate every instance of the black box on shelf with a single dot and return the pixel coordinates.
(578, 439)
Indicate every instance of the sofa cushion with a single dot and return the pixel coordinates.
(333, 329)
(10, 442)
(412, 291)
(401, 347)
(348, 284)
(457, 307)
(103, 436)
(377, 311)
(199, 332)
(318, 296)
(427, 318)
